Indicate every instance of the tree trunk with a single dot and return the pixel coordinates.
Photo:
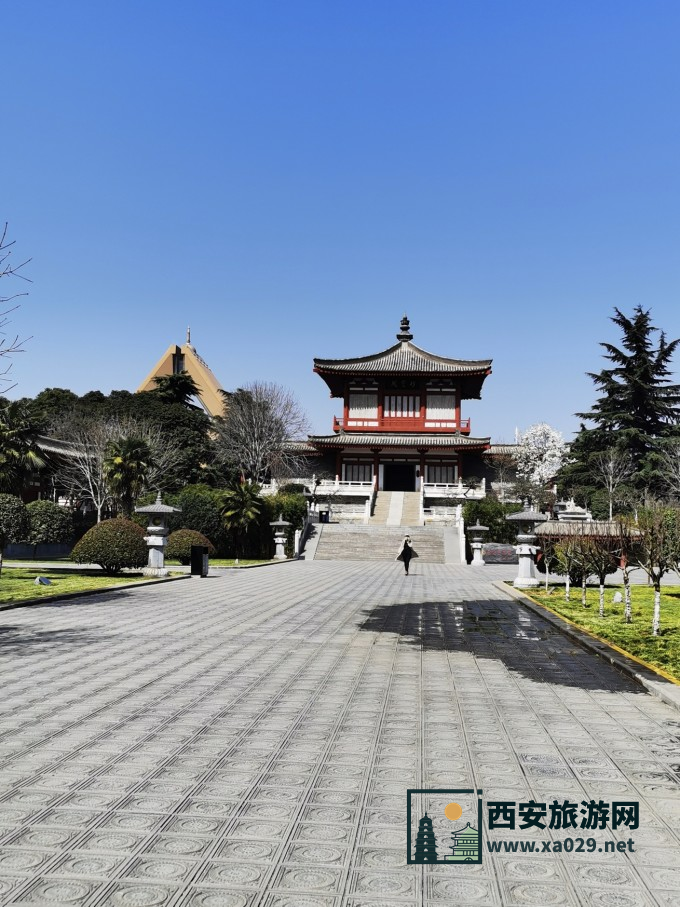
(657, 611)
(583, 590)
(627, 612)
(567, 589)
(100, 507)
(1, 555)
(601, 599)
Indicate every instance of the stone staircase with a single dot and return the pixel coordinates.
(410, 511)
(396, 508)
(351, 542)
(381, 509)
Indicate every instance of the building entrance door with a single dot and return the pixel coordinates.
(399, 477)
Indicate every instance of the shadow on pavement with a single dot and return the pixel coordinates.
(23, 640)
(499, 630)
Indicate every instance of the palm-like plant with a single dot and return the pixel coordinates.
(177, 388)
(241, 508)
(126, 467)
(19, 454)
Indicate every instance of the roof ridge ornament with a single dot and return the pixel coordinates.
(405, 332)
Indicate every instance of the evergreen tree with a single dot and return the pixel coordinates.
(637, 409)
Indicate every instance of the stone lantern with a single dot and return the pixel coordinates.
(156, 536)
(526, 548)
(279, 527)
(477, 543)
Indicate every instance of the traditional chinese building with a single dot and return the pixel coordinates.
(465, 846)
(402, 421)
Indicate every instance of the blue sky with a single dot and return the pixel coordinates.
(289, 178)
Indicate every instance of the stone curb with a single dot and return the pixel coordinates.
(637, 670)
(288, 560)
(65, 596)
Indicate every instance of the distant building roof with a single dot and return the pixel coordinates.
(354, 439)
(405, 358)
(500, 449)
(185, 358)
(586, 528)
(56, 446)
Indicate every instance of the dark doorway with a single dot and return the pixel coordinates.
(399, 477)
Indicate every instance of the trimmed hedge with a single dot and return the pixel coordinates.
(49, 524)
(114, 545)
(180, 542)
(13, 520)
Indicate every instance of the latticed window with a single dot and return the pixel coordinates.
(402, 405)
(363, 405)
(358, 472)
(441, 475)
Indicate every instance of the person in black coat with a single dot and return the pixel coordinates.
(406, 552)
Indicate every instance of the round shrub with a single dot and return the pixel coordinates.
(114, 545)
(13, 520)
(180, 542)
(49, 524)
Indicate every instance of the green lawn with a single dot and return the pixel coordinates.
(662, 651)
(18, 583)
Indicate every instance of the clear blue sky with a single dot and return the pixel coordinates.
(291, 177)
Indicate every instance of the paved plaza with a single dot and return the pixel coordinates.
(248, 739)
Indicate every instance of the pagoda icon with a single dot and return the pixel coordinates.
(465, 848)
(426, 844)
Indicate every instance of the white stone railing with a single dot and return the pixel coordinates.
(454, 490)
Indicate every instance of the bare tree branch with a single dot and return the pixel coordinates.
(255, 434)
(82, 469)
(612, 468)
(8, 269)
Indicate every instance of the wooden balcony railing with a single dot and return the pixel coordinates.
(402, 423)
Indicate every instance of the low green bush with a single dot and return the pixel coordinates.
(114, 545)
(180, 542)
(13, 520)
(49, 524)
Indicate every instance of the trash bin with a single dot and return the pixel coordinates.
(324, 516)
(199, 560)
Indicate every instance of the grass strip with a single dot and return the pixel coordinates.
(636, 639)
(18, 583)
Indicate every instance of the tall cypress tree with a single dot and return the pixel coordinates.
(637, 407)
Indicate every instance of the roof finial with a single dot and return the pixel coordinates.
(405, 332)
(188, 335)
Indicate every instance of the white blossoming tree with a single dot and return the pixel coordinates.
(541, 451)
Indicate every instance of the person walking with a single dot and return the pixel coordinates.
(406, 552)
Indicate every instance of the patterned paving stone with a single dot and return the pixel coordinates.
(247, 742)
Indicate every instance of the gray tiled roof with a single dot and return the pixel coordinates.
(503, 449)
(55, 445)
(355, 439)
(403, 357)
(587, 528)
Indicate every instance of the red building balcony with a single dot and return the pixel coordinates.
(406, 424)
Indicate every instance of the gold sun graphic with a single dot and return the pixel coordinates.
(453, 811)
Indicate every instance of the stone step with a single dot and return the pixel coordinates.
(364, 542)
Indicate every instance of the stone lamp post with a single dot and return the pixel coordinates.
(156, 536)
(477, 543)
(526, 548)
(279, 527)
